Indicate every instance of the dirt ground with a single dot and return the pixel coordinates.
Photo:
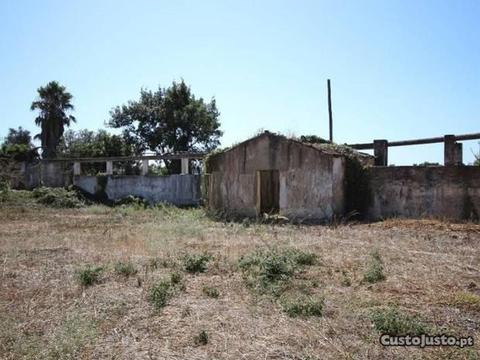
(431, 268)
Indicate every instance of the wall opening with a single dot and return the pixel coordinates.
(268, 189)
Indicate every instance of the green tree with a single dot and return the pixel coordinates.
(54, 104)
(18, 145)
(18, 136)
(86, 143)
(169, 121)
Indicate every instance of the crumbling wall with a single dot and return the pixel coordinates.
(451, 192)
(179, 190)
(311, 183)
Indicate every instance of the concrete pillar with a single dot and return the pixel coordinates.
(380, 151)
(458, 154)
(109, 168)
(450, 150)
(184, 166)
(145, 167)
(77, 169)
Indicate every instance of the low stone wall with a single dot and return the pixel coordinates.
(451, 192)
(179, 190)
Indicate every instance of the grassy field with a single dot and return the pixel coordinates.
(132, 283)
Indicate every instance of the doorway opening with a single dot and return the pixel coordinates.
(268, 188)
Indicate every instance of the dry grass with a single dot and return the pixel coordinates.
(431, 268)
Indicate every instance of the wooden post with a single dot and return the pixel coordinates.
(330, 117)
(184, 166)
(109, 167)
(144, 167)
(77, 169)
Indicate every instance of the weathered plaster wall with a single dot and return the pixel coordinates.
(44, 173)
(173, 189)
(410, 191)
(311, 183)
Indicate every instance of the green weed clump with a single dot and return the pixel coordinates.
(267, 271)
(211, 292)
(89, 276)
(57, 197)
(374, 272)
(201, 338)
(160, 293)
(303, 306)
(125, 268)
(394, 322)
(196, 263)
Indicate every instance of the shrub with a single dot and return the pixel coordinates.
(201, 338)
(175, 278)
(57, 197)
(393, 322)
(266, 270)
(160, 293)
(125, 268)
(374, 272)
(4, 190)
(89, 276)
(196, 263)
(211, 292)
(303, 306)
(134, 201)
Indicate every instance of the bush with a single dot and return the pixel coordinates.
(393, 322)
(374, 271)
(125, 268)
(175, 278)
(196, 263)
(211, 292)
(201, 338)
(267, 269)
(57, 197)
(4, 190)
(160, 293)
(303, 306)
(89, 276)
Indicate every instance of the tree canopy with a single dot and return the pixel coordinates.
(168, 121)
(86, 143)
(54, 104)
(18, 145)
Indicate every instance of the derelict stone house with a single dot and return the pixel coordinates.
(271, 173)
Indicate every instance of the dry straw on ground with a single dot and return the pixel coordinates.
(431, 268)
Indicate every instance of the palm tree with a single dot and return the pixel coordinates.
(54, 102)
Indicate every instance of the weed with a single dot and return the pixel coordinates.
(160, 293)
(346, 279)
(201, 338)
(466, 300)
(394, 322)
(211, 292)
(303, 306)
(57, 197)
(89, 276)
(125, 268)
(268, 270)
(196, 263)
(175, 278)
(374, 272)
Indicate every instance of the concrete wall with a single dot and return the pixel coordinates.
(173, 189)
(410, 191)
(311, 183)
(44, 173)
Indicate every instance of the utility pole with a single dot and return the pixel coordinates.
(330, 118)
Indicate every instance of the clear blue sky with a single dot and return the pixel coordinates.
(399, 69)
